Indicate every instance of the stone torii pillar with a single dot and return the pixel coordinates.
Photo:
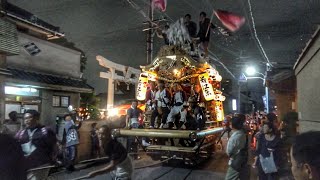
(111, 75)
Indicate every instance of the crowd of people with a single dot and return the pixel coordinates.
(271, 142)
(35, 149)
(41, 148)
(172, 106)
(36, 146)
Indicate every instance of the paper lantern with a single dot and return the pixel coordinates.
(142, 88)
(219, 111)
(207, 89)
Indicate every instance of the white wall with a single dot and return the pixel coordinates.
(52, 59)
(308, 93)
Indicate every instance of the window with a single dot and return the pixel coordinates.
(31, 48)
(60, 101)
(22, 91)
(56, 101)
(64, 101)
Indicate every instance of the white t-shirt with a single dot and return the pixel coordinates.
(178, 97)
(161, 97)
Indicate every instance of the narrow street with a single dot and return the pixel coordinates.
(148, 169)
(215, 168)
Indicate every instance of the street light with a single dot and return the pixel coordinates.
(252, 71)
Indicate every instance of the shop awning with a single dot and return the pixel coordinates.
(47, 81)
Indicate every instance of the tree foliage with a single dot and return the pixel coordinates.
(91, 103)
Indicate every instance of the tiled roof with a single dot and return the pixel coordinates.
(48, 79)
(21, 13)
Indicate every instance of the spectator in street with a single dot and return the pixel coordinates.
(132, 120)
(12, 161)
(95, 147)
(70, 140)
(120, 163)
(38, 144)
(13, 115)
(273, 119)
(226, 124)
(12, 125)
(268, 142)
(305, 156)
(237, 149)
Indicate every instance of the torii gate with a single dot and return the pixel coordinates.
(111, 75)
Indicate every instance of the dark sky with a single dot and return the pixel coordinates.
(113, 29)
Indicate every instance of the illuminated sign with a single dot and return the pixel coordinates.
(26, 91)
(234, 104)
(206, 87)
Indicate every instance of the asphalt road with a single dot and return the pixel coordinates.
(212, 169)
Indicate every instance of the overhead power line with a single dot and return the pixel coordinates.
(256, 35)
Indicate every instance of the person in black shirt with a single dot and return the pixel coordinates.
(13, 163)
(133, 115)
(120, 164)
(203, 36)
(37, 142)
(94, 141)
(192, 28)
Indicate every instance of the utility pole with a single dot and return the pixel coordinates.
(239, 97)
(150, 35)
(266, 87)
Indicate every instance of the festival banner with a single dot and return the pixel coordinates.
(207, 89)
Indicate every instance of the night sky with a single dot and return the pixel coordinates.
(113, 29)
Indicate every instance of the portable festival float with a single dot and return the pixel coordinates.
(174, 65)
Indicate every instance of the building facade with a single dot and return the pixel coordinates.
(308, 78)
(34, 72)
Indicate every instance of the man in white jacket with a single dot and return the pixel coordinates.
(236, 148)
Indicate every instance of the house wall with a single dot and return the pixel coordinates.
(308, 93)
(48, 112)
(53, 59)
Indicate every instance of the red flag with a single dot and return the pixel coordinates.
(231, 21)
(160, 4)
